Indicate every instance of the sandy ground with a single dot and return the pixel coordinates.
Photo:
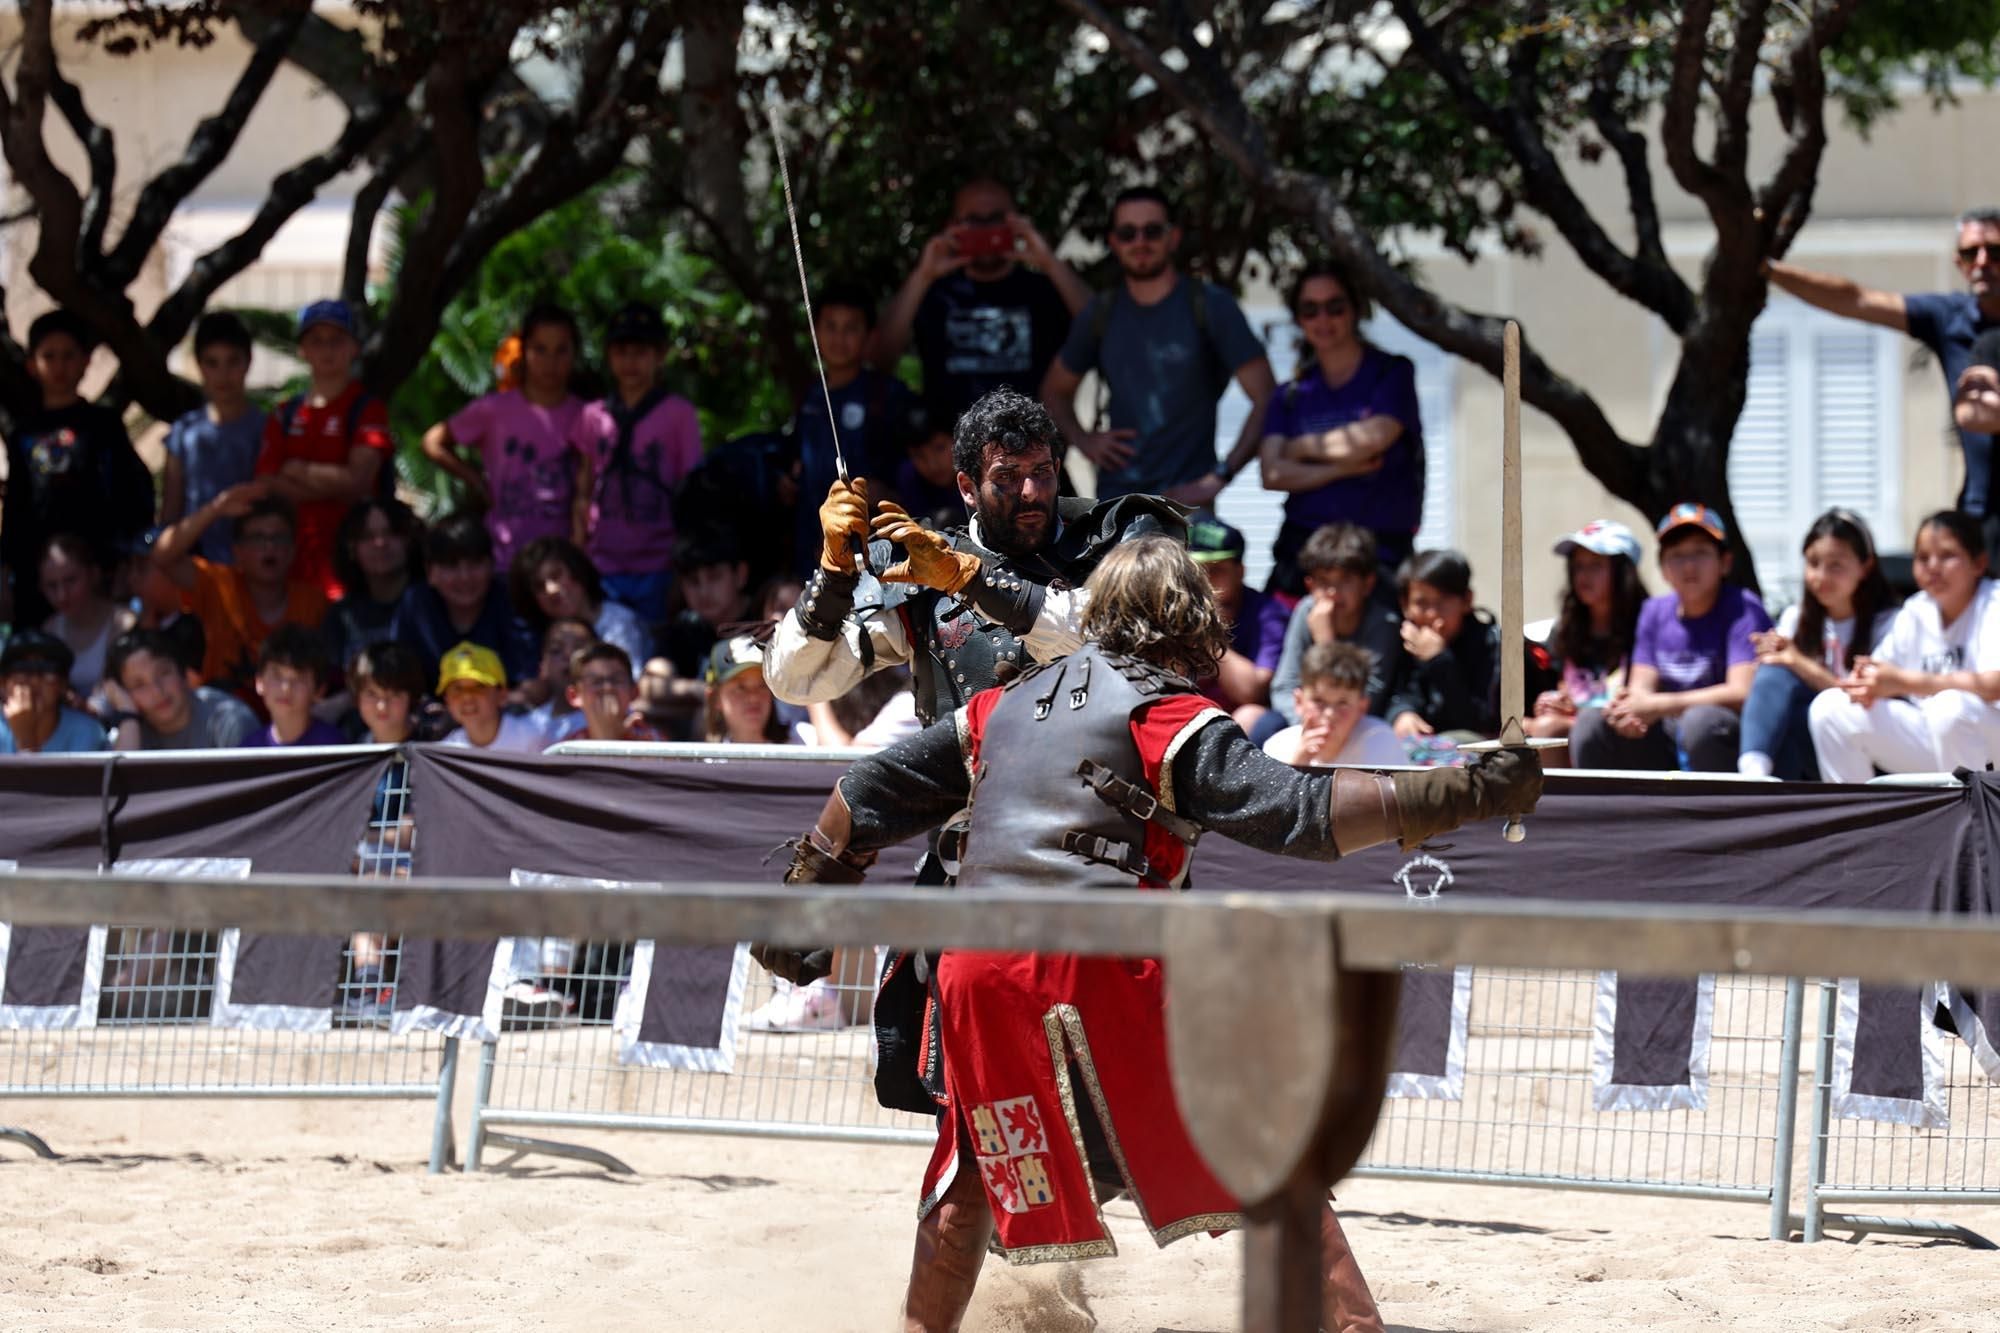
(202, 1215)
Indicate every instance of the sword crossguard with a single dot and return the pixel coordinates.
(1512, 737)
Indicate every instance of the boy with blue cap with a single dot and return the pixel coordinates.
(329, 446)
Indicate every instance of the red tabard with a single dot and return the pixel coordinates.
(1029, 1038)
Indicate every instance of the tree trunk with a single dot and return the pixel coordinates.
(1689, 457)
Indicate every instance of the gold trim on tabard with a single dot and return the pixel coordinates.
(1174, 746)
(1162, 1236)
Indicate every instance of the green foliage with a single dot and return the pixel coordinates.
(591, 256)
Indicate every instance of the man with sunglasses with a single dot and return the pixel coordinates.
(1946, 322)
(1168, 348)
(988, 304)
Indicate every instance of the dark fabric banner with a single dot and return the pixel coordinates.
(180, 813)
(620, 820)
(1718, 843)
(1431, 1022)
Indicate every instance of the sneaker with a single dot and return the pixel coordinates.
(526, 1005)
(814, 1008)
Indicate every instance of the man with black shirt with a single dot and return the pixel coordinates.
(980, 319)
(70, 467)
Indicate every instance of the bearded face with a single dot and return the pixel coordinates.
(1014, 499)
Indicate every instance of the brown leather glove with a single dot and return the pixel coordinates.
(811, 864)
(801, 969)
(930, 559)
(1438, 800)
(843, 521)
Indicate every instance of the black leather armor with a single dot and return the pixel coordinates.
(1071, 805)
(972, 642)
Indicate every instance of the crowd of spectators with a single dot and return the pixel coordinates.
(605, 575)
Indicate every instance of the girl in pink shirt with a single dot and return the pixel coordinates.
(530, 476)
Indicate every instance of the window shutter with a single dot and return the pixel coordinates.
(1845, 406)
(1761, 468)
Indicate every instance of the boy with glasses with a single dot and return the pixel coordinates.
(239, 604)
(1168, 349)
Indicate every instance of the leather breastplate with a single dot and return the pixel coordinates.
(957, 654)
(1061, 797)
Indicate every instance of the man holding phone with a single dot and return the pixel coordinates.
(981, 317)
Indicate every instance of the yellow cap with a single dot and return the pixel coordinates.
(469, 661)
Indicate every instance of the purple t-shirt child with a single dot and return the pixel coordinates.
(1389, 501)
(530, 466)
(632, 483)
(317, 732)
(1258, 632)
(1695, 654)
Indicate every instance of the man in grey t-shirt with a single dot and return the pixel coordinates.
(172, 715)
(1167, 346)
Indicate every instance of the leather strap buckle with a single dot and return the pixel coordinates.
(1104, 851)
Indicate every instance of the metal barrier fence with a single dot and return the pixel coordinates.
(1336, 955)
(1526, 1115)
(802, 1069)
(150, 1031)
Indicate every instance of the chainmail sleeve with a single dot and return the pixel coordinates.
(909, 788)
(1227, 785)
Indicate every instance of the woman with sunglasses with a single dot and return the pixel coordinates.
(1343, 439)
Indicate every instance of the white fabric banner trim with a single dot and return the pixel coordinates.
(717, 1059)
(1966, 1019)
(49, 1017)
(1450, 1087)
(482, 1026)
(1932, 1111)
(258, 1017)
(1611, 1096)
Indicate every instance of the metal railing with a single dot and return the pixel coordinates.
(1322, 944)
(148, 1024)
(803, 1068)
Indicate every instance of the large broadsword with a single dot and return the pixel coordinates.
(1513, 646)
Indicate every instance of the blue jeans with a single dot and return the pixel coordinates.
(1774, 723)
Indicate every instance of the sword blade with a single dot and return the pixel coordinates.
(1512, 648)
(805, 290)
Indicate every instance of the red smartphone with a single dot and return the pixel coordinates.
(983, 242)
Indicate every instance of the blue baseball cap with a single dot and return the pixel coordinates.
(336, 313)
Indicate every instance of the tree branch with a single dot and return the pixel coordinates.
(1630, 146)
(210, 143)
(1234, 133)
(1732, 112)
(289, 192)
(102, 153)
(1785, 200)
(1683, 102)
(576, 151)
(368, 203)
(1653, 285)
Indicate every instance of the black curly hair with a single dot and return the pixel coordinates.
(1006, 420)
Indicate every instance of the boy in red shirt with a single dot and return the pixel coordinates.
(330, 446)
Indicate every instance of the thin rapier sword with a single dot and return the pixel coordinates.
(805, 291)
